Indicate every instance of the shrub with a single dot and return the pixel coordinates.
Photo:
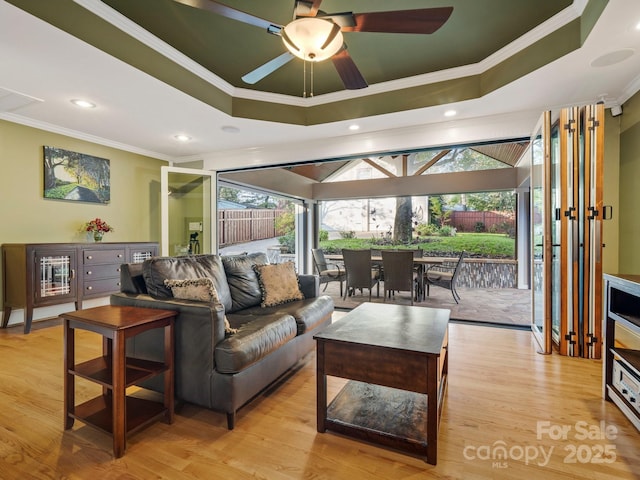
(285, 223)
(347, 234)
(426, 229)
(323, 236)
(479, 228)
(447, 231)
(289, 241)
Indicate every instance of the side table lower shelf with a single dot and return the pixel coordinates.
(98, 412)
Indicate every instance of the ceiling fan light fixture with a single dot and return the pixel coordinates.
(312, 39)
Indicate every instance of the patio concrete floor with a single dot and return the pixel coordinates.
(503, 306)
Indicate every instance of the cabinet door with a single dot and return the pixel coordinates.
(139, 253)
(55, 276)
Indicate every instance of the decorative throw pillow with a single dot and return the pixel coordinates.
(279, 283)
(200, 290)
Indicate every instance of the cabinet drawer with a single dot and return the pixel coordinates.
(91, 272)
(101, 287)
(95, 257)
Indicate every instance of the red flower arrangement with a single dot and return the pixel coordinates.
(97, 225)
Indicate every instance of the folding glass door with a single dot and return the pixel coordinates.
(566, 182)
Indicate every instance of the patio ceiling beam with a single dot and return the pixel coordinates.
(378, 167)
(435, 184)
(431, 162)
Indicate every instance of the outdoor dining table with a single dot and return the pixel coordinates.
(420, 262)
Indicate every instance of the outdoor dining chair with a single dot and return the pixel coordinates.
(444, 276)
(328, 271)
(360, 275)
(399, 274)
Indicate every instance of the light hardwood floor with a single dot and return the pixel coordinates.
(500, 393)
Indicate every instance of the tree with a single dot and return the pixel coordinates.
(54, 157)
(459, 160)
(229, 194)
(402, 224)
(437, 214)
(492, 201)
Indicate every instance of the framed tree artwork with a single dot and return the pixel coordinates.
(76, 176)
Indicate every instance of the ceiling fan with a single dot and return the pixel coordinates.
(314, 35)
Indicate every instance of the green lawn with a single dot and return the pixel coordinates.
(484, 245)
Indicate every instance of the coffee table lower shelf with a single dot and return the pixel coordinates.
(382, 415)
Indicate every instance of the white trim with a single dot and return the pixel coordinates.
(49, 127)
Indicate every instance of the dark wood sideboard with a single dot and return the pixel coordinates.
(41, 274)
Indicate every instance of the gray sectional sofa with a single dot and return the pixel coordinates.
(216, 367)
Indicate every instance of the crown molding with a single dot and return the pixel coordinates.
(48, 127)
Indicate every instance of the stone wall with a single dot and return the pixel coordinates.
(487, 273)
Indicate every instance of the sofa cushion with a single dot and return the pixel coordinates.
(198, 290)
(156, 270)
(278, 284)
(131, 279)
(242, 280)
(308, 313)
(256, 337)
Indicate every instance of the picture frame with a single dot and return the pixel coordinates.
(77, 177)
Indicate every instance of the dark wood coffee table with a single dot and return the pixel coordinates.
(393, 355)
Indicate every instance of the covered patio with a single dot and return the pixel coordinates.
(493, 306)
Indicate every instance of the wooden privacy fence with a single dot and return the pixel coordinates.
(239, 226)
(493, 222)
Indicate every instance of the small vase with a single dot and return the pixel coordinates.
(97, 236)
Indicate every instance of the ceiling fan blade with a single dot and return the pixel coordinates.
(348, 71)
(232, 13)
(267, 69)
(422, 21)
(345, 20)
(306, 8)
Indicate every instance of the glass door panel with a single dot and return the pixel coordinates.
(55, 271)
(593, 133)
(568, 223)
(541, 233)
(188, 209)
(556, 241)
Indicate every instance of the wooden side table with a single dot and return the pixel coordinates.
(114, 412)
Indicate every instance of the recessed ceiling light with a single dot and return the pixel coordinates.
(182, 138)
(354, 127)
(83, 103)
(230, 129)
(450, 113)
(638, 26)
(612, 58)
